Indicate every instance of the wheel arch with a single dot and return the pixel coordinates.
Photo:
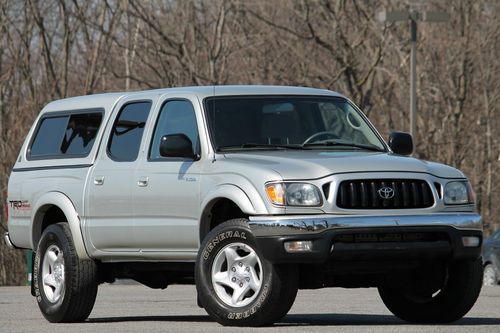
(56, 205)
(226, 198)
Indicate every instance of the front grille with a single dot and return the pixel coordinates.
(376, 194)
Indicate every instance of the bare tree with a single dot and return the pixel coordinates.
(59, 48)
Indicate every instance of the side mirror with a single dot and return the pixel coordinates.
(176, 145)
(401, 143)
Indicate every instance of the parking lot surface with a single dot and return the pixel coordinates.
(134, 308)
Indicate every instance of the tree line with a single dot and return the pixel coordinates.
(59, 48)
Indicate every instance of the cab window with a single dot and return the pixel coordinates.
(65, 135)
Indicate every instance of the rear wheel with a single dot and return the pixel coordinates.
(450, 302)
(236, 285)
(65, 286)
(489, 276)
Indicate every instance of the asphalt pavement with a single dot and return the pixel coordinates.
(135, 308)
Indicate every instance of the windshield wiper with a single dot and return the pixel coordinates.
(260, 146)
(331, 143)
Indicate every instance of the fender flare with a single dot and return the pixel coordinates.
(238, 196)
(61, 201)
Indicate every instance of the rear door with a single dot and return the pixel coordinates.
(109, 208)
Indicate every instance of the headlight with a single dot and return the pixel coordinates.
(456, 193)
(293, 194)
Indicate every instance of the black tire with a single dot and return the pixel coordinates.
(78, 282)
(455, 298)
(278, 284)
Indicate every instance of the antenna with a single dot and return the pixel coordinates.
(214, 113)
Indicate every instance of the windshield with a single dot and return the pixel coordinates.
(279, 122)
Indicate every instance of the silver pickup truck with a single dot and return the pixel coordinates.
(250, 192)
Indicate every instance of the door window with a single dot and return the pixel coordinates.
(125, 140)
(176, 117)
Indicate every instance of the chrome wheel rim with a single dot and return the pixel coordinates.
(237, 274)
(53, 274)
(489, 278)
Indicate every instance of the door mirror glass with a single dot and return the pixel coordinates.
(401, 143)
(176, 145)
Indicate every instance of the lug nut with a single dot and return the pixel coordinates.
(247, 269)
(240, 263)
(241, 285)
(233, 269)
(233, 279)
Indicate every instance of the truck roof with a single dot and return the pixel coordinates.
(107, 100)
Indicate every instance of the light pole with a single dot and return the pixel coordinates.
(413, 16)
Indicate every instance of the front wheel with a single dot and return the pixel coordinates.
(65, 286)
(457, 295)
(236, 285)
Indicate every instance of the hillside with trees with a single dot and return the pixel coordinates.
(59, 48)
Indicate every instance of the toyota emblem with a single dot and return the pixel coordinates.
(386, 192)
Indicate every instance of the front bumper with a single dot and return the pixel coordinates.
(355, 237)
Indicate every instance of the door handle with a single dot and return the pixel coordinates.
(99, 180)
(143, 182)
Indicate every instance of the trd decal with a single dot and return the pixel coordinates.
(20, 205)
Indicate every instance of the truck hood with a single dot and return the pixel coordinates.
(312, 164)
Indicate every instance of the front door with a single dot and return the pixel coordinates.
(166, 193)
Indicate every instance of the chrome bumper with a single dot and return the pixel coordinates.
(263, 226)
(9, 244)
